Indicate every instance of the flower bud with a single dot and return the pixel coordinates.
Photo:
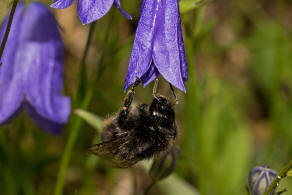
(164, 164)
(260, 179)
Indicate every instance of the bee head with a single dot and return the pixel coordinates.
(161, 111)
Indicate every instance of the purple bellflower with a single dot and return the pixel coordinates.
(158, 46)
(260, 178)
(91, 10)
(31, 75)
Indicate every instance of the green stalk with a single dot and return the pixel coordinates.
(281, 175)
(81, 88)
(192, 105)
(197, 128)
(69, 147)
(10, 19)
(77, 120)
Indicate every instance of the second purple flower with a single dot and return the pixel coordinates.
(158, 46)
(91, 10)
(31, 76)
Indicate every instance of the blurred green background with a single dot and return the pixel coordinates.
(236, 114)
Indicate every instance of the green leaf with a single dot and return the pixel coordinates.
(176, 185)
(90, 118)
(188, 5)
(289, 173)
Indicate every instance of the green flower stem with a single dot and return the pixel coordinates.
(69, 147)
(15, 2)
(281, 175)
(81, 88)
(77, 120)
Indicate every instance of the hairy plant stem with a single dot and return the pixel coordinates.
(8, 27)
(281, 175)
(80, 100)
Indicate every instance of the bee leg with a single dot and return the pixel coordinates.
(154, 93)
(127, 103)
(172, 90)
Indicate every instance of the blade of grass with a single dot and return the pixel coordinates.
(69, 147)
(90, 118)
(10, 19)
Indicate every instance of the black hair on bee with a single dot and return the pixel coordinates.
(138, 132)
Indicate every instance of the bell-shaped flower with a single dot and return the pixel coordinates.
(260, 178)
(91, 10)
(158, 46)
(31, 75)
(164, 164)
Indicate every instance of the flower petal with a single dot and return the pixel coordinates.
(166, 54)
(48, 125)
(41, 58)
(11, 81)
(61, 4)
(182, 54)
(150, 75)
(91, 10)
(118, 5)
(141, 55)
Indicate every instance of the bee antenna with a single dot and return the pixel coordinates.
(155, 88)
(172, 90)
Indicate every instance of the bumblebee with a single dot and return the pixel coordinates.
(137, 132)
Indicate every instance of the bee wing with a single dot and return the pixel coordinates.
(109, 150)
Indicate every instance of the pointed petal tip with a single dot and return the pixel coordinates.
(84, 21)
(128, 16)
(180, 87)
(118, 5)
(54, 128)
(61, 4)
(90, 11)
(87, 20)
(185, 77)
(144, 84)
(126, 86)
(6, 119)
(53, 5)
(184, 90)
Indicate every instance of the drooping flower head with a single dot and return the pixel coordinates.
(158, 46)
(91, 10)
(164, 164)
(31, 75)
(260, 178)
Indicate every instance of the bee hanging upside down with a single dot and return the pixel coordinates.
(137, 133)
